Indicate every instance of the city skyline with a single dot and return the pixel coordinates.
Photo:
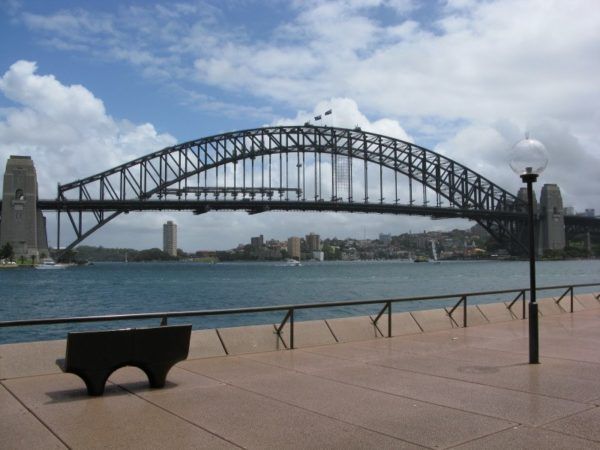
(85, 88)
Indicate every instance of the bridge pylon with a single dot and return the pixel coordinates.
(23, 224)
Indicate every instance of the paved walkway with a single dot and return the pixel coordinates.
(461, 388)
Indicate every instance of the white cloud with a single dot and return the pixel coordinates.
(449, 61)
(66, 129)
(346, 114)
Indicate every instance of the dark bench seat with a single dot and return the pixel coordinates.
(94, 355)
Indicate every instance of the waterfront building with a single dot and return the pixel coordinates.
(170, 238)
(569, 211)
(313, 242)
(318, 256)
(293, 247)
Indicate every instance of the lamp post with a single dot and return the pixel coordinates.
(528, 159)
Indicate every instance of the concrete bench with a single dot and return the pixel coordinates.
(94, 355)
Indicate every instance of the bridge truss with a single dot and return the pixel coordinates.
(304, 168)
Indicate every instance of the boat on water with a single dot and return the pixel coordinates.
(49, 263)
(421, 259)
(292, 262)
(434, 251)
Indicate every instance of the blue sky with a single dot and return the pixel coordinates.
(88, 85)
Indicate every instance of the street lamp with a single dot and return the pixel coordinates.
(528, 159)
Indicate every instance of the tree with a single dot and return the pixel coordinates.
(7, 252)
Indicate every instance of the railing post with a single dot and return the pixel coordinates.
(571, 289)
(291, 328)
(289, 316)
(465, 311)
(389, 307)
(163, 321)
(524, 302)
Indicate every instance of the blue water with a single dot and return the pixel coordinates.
(118, 288)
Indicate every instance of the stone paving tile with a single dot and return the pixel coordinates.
(19, 429)
(30, 358)
(135, 381)
(495, 402)
(483, 356)
(585, 424)
(232, 369)
(527, 438)
(403, 418)
(361, 351)
(519, 376)
(302, 361)
(560, 367)
(255, 421)
(116, 420)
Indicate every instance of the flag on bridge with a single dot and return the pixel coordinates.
(317, 117)
(328, 112)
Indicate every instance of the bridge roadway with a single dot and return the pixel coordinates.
(576, 224)
(460, 388)
(258, 206)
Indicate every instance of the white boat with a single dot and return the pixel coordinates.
(49, 263)
(433, 250)
(292, 262)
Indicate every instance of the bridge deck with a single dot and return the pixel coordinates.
(469, 388)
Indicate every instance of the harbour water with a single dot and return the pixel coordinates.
(119, 288)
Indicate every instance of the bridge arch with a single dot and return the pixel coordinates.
(186, 176)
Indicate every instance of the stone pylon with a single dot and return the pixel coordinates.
(22, 225)
(523, 231)
(552, 218)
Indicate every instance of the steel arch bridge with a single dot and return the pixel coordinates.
(302, 168)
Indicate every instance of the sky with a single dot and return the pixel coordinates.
(86, 86)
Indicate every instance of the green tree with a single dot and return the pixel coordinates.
(7, 252)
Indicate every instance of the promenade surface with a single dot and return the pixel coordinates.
(466, 388)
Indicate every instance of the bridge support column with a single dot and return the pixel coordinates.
(23, 225)
(523, 230)
(552, 218)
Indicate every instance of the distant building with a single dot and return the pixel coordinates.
(256, 244)
(313, 242)
(170, 238)
(293, 247)
(569, 211)
(590, 212)
(318, 256)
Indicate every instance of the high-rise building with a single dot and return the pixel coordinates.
(170, 238)
(313, 242)
(257, 242)
(293, 247)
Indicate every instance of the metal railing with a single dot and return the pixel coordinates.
(290, 309)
